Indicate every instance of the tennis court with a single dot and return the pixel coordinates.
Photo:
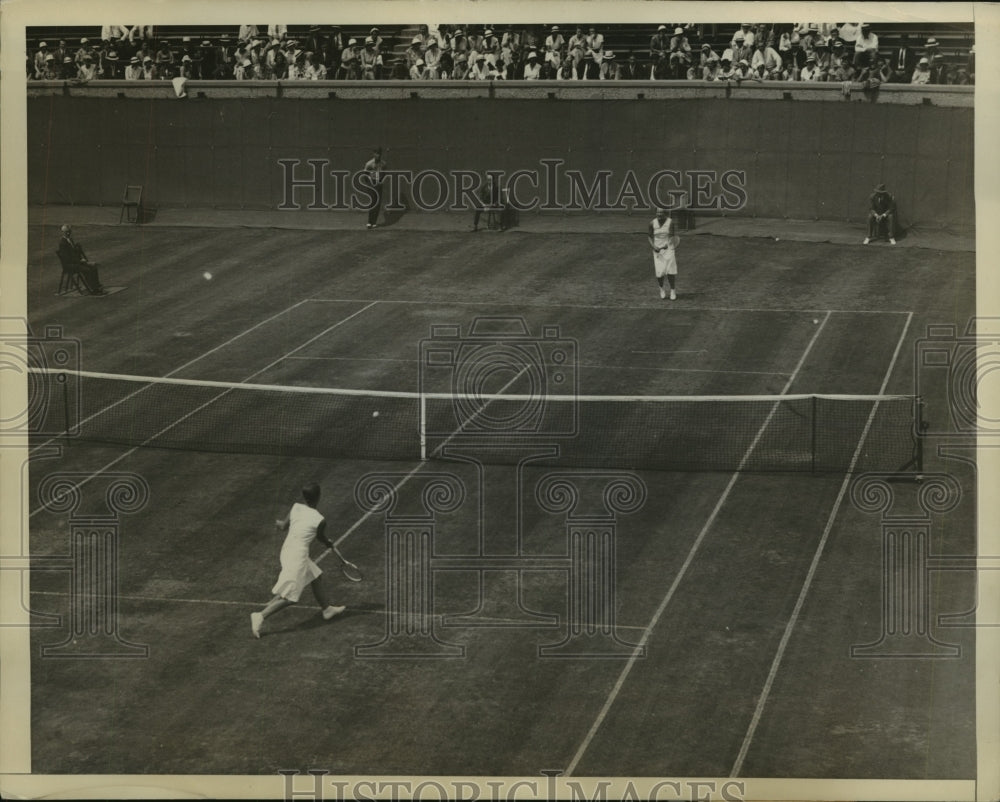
(746, 588)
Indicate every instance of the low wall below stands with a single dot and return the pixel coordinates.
(802, 151)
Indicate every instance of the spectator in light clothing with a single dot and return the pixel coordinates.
(766, 57)
(532, 69)
(369, 61)
(680, 54)
(133, 72)
(867, 42)
(922, 74)
(555, 42)
(432, 59)
(712, 70)
(810, 72)
(478, 71)
(51, 71)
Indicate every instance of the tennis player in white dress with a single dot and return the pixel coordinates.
(663, 240)
(304, 524)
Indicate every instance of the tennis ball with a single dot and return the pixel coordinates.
(815, 321)
(375, 414)
(207, 276)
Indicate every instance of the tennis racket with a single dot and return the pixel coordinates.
(349, 569)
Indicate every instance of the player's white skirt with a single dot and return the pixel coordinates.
(665, 263)
(297, 571)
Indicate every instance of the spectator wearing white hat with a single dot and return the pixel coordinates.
(738, 50)
(680, 54)
(478, 68)
(414, 52)
(742, 70)
(745, 34)
(460, 68)
(133, 72)
(432, 60)
(490, 45)
(350, 62)
(610, 67)
(554, 42)
(712, 70)
(939, 70)
(922, 74)
(532, 67)
(51, 71)
(418, 72)
(810, 72)
(109, 67)
(368, 60)
(659, 43)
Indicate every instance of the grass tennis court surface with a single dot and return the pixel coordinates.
(747, 590)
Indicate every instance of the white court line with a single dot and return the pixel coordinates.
(790, 626)
(619, 684)
(207, 403)
(657, 305)
(182, 367)
(256, 606)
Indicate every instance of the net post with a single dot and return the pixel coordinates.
(812, 440)
(423, 428)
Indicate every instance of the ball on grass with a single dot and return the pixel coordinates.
(815, 321)
(207, 276)
(375, 414)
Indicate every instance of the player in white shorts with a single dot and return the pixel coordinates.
(663, 240)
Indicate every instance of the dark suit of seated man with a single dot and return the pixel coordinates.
(73, 258)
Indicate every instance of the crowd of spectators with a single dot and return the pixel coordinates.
(844, 52)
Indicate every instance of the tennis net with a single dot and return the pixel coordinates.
(818, 433)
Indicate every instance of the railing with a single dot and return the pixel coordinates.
(905, 94)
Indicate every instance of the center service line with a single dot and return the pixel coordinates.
(790, 626)
(689, 559)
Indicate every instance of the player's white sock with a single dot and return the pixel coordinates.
(332, 611)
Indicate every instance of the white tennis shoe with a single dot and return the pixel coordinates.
(673, 295)
(256, 620)
(331, 612)
(867, 240)
(663, 293)
(892, 241)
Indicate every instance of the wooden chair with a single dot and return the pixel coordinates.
(131, 200)
(70, 279)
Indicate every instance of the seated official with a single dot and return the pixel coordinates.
(883, 209)
(74, 259)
